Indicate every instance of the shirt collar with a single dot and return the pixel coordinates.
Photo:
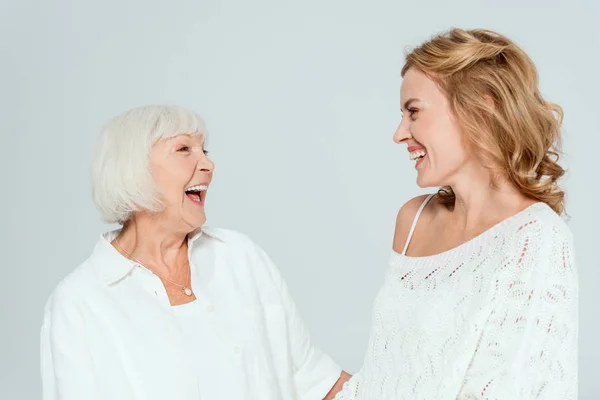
(112, 266)
(208, 231)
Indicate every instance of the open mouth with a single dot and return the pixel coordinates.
(196, 193)
(417, 156)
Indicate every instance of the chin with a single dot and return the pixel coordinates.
(432, 180)
(426, 183)
(195, 221)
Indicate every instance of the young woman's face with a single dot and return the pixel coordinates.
(430, 131)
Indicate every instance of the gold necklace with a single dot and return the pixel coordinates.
(184, 288)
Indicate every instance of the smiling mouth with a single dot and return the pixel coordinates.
(417, 155)
(196, 193)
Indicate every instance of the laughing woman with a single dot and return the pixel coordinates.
(165, 308)
(480, 297)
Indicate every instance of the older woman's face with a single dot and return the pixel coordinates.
(182, 171)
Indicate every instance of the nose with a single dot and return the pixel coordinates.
(205, 164)
(402, 133)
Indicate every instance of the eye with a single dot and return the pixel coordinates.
(412, 112)
(205, 152)
(183, 149)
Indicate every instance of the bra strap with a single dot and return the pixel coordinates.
(414, 224)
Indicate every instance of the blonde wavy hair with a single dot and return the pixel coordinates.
(492, 88)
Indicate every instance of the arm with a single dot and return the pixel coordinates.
(65, 365)
(528, 348)
(316, 376)
(339, 385)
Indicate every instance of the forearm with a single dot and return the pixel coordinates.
(344, 377)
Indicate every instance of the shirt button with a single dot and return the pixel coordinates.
(237, 350)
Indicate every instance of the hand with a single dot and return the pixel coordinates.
(344, 377)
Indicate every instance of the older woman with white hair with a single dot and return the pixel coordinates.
(166, 308)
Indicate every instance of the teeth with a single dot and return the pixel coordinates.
(197, 188)
(416, 154)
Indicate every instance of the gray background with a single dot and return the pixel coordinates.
(301, 99)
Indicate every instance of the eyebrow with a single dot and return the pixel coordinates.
(408, 102)
(189, 137)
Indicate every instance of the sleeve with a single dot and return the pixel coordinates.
(352, 389)
(65, 363)
(528, 347)
(315, 373)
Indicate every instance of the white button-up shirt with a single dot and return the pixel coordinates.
(110, 333)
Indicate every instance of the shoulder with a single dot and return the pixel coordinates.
(407, 212)
(541, 244)
(542, 227)
(250, 260)
(406, 216)
(239, 244)
(552, 222)
(72, 291)
(539, 262)
(232, 238)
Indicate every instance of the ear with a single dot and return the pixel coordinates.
(491, 106)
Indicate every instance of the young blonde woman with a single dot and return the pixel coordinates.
(480, 295)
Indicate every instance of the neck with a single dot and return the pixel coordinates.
(153, 242)
(479, 200)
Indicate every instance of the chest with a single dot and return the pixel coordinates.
(447, 233)
(141, 346)
(432, 299)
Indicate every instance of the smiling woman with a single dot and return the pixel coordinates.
(480, 296)
(166, 308)
(123, 181)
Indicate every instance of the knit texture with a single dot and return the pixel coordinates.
(494, 318)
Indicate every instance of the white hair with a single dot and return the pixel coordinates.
(121, 178)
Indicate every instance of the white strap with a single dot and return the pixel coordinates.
(414, 224)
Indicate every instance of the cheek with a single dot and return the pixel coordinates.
(426, 131)
(444, 139)
(451, 155)
(172, 179)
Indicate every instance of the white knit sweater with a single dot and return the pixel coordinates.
(494, 318)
